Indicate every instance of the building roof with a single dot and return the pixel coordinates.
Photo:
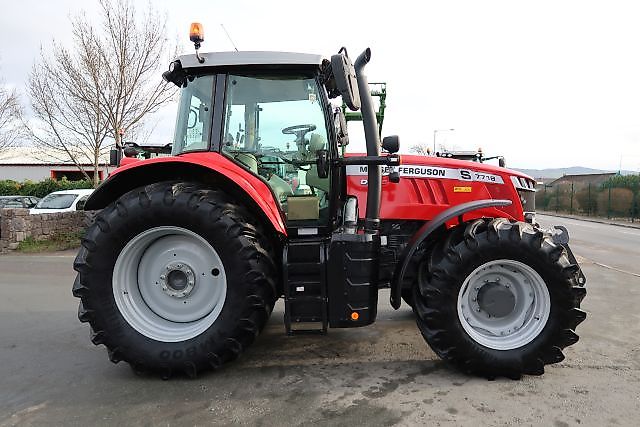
(28, 156)
(220, 59)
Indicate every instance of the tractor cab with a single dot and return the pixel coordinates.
(275, 125)
(269, 113)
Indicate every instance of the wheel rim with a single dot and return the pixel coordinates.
(169, 284)
(503, 304)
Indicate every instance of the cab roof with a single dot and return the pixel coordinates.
(221, 59)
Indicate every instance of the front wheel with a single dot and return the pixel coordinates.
(174, 277)
(498, 298)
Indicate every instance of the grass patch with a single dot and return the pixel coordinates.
(57, 242)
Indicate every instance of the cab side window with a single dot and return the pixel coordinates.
(193, 128)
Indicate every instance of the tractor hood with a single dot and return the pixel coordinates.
(409, 161)
(455, 163)
(429, 184)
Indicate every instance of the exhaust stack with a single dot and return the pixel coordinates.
(374, 172)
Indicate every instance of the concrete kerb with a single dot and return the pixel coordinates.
(590, 219)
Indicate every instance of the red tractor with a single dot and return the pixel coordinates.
(190, 252)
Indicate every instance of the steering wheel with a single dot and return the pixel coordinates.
(299, 131)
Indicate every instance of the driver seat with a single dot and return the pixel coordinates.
(279, 186)
(248, 160)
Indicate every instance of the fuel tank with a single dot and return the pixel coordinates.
(428, 185)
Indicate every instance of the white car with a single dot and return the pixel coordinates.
(62, 201)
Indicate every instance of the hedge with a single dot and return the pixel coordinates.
(40, 189)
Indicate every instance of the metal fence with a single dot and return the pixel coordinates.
(612, 200)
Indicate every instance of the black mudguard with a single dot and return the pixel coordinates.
(423, 233)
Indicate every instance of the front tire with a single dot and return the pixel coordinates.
(173, 277)
(498, 298)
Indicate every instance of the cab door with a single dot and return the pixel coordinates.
(275, 126)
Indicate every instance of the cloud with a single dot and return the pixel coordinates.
(547, 84)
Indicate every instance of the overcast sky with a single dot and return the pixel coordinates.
(545, 83)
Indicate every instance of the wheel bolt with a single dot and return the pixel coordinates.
(162, 276)
(179, 265)
(478, 309)
(474, 299)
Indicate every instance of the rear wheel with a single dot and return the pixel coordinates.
(174, 277)
(498, 298)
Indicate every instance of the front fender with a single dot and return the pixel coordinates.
(206, 167)
(423, 233)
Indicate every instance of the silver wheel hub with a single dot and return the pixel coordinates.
(495, 299)
(169, 284)
(503, 304)
(177, 280)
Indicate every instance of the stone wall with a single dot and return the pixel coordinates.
(16, 225)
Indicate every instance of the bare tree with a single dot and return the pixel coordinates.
(104, 86)
(420, 149)
(135, 50)
(65, 97)
(10, 119)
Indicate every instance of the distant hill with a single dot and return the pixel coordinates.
(559, 172)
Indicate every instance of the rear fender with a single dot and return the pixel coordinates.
(423, 234)
(208, 168)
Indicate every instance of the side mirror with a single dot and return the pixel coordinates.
(322, 163)
(81, 203)
(340, 124)
(501, 162)
(345, 77)
(391, 144)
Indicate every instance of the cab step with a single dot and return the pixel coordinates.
(305, 287)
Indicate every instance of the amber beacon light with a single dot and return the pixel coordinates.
(196, 35)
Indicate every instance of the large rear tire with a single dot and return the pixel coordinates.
(174, 277)
(498, 298)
